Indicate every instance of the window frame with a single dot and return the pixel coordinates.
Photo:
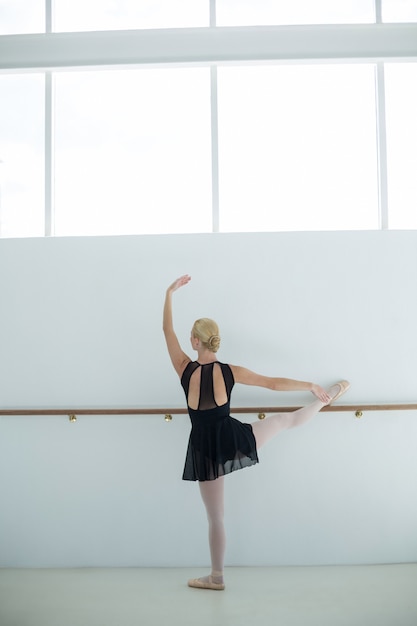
(360, 43)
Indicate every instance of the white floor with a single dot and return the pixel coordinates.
(283, 596)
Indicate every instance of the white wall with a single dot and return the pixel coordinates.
(81, 326)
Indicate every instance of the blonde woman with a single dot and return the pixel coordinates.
(218, 443)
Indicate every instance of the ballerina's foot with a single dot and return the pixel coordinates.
(208, 582)
(338, 389)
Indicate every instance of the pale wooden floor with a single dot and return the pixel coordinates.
(282, 596)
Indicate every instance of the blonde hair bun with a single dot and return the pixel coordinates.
(207, 331)
(214, 343)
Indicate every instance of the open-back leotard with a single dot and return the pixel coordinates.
(218, 444)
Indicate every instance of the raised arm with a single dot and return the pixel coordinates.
(246, 377)
(178, 357)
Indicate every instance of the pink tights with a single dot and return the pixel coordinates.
(212, 491)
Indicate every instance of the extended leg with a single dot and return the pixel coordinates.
(269, 427)
(212, 493)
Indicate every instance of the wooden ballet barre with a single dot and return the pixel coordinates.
(359, 407)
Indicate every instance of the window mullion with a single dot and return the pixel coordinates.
(214, 134)
(381, 146)
(212, 9)
(381, 134)
(214, 150)
(378, 11)
(48, 133)
(48, 156)
(48, 16)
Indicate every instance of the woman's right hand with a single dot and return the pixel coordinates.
(180, 282)
(321, 393)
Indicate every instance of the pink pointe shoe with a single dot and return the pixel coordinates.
(344, 386)
(208, 583)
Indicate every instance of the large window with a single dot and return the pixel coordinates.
(78, 15)
(399, 10)
(22, 16)
(401, 99)
(132, 152)
(297, 148)
(21, 155)
(267, 12)
(31, 16)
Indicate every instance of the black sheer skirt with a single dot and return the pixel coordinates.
(218, 444)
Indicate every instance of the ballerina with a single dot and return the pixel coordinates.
(218, 443)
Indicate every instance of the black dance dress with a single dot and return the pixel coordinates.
(218, 444)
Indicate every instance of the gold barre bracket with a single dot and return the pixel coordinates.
(72, 418)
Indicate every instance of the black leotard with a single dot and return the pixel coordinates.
(218, 444)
